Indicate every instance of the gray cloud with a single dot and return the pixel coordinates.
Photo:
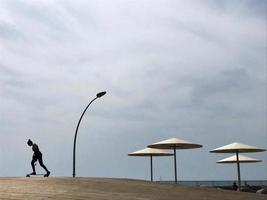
(188, 69)
(227, 82)
(248, 7)
(8, 31)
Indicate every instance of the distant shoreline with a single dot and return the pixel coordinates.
(223, 183)
(207, 183)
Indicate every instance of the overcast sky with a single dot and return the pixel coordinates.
(194, 70)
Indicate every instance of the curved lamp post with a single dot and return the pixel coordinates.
(100, 94)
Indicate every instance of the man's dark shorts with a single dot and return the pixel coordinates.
(37, 156)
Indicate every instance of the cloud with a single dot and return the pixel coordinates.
(188, 69)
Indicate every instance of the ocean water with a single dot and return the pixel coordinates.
(262, 183)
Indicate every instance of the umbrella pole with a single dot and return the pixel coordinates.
(238, 170)
(151, 168)
(175, 168)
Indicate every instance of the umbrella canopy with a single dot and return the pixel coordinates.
(151, 152)
(175, 143)
(242, 159)
(237, 147)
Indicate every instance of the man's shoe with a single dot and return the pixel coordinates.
(33, 173)
(47, 174)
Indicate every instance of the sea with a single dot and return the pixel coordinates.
(262, 183)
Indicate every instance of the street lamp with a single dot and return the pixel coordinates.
(100, 94)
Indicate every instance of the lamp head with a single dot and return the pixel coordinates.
(100, 94)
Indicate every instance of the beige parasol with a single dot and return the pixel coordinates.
(175, 143)
(234, 147)
(237, 148)
(151, 152)
(242, 159)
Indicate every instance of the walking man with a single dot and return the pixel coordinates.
(37, 155)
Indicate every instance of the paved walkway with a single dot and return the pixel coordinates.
(37, 188)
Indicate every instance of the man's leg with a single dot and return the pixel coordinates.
(32, 164)
(40, 159)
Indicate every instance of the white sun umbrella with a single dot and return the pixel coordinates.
(237, 148)
(175, 143)
(242, 159)
(150, 152)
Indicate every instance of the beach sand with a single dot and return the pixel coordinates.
(36, 188)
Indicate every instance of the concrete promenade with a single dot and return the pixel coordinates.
(37, 188)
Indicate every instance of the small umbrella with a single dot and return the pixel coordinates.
(175, 143)
(242, 159)
(150, 152)
(237, 148)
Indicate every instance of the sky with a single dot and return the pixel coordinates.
(194, 70)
